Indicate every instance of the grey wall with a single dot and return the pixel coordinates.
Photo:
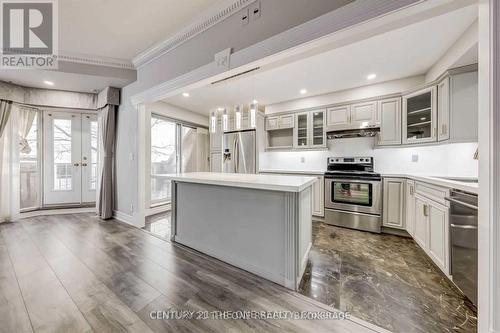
(277, 16)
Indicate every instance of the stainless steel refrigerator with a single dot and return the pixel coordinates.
(239, 152)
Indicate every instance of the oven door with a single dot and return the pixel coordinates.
(353, 195)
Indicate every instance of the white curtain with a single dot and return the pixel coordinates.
(26, 117)
(9, 167)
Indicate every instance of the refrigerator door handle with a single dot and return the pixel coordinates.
(236, 157)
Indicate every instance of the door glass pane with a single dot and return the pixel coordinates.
(28, 163)
(352, 193)
(419, 116)
(93, 155)
(163, 157)
(302, 130)
(318, 128)
(62, 155)
(188, 149)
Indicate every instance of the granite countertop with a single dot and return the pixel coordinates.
(255, 181)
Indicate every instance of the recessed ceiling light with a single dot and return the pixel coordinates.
(303, 91)
(371, 76)
(185, 94)
(49, 83)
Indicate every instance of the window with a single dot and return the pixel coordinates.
(94, 155)
(62, 155)
(163, 157)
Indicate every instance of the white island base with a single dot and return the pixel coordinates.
(259, 223)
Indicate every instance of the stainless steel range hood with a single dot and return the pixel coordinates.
(353, 133)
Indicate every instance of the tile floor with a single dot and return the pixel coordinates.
(386, 280)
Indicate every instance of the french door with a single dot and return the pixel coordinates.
(70, 158)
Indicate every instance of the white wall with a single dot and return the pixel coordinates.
(175, 112)
(439, 160)
(369, 91)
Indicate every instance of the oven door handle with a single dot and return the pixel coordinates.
(346, 180)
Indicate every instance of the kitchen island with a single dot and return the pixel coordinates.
(259, 223)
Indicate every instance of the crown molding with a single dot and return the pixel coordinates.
(212, 16)
(95, 60)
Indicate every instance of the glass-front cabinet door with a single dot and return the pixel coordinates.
(318, 128)
(420, 116)
(302, 130)
(309, 131)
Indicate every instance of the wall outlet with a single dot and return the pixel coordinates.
(255, 10)
(302, 159)
(245, 17)
(414, 158)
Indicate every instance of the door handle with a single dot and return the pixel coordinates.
(460, 226)
(84, 164)
(76, 164)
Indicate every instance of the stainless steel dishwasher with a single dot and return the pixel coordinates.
(463, 239)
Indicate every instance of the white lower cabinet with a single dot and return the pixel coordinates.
(420, 209)
(438, 235)
(394, 203)
(318, 199)
(421, 221)
(410, 207)
(432, 231)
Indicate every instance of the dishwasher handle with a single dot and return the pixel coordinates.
(461, 203)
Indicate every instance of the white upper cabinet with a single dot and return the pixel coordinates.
(279, 122)
(363, 114)
(272, 123)
(338, 116)
(390, 122)
(464, 107)
(443, 102)
(420, 116)
(394, 203)
(309, 130)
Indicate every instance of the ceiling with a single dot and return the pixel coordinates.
(400, 53)
(122, 28)
(62, 80)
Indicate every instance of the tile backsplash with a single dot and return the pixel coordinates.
(454, 159)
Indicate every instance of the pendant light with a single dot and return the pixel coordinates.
(213, 122)
(225, 120)
(237, 116)
(254, 106)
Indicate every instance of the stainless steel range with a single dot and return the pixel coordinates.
(353, 193)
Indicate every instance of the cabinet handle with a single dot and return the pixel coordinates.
(411, 189)
(426, 210)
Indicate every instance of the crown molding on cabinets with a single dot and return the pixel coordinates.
(216, 14)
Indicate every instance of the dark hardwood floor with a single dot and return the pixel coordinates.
(75, 273)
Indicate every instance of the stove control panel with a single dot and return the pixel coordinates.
(350, 160)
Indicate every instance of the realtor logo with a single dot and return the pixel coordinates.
(29, 34)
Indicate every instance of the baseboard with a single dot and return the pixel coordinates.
(44, 212)
(123, 217)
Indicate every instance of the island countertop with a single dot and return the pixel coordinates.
(255, 181)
